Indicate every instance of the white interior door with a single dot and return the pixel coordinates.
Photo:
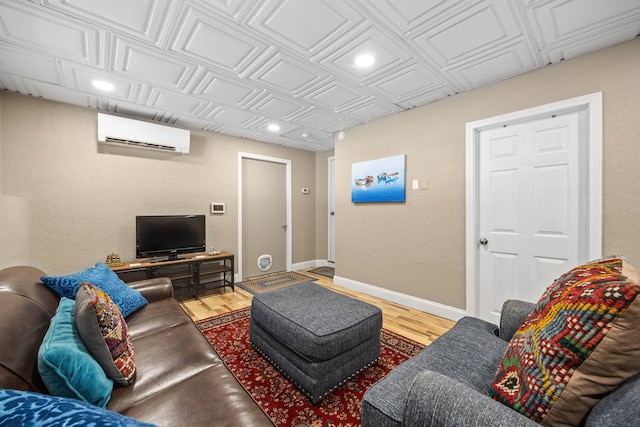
(331, 256)
(530, 208)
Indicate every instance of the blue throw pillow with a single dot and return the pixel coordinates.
(65, 364)
(128, 300)
(23, 408)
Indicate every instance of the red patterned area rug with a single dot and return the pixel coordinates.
(281, 400)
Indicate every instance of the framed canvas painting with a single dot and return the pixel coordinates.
(378, 181)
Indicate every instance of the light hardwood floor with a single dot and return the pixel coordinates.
(414, 324)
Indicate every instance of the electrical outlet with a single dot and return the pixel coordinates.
(416, 184)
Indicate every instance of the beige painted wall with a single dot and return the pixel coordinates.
(1, 145)
(322, 204)
(417, 248)
(15, 223)
(83, 202)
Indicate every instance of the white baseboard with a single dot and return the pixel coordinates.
(437, 309)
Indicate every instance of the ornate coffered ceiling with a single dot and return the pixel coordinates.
(236, 66)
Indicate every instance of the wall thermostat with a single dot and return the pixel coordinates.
(217, 208)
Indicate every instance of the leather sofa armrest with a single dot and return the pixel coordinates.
(155, 289)
(438, 401)
(513, 314)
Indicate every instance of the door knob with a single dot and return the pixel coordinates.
(284, 227)
(483, 241)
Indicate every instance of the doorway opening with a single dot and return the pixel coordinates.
(279, 225)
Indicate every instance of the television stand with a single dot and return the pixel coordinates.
(190, 275)
(176, 258)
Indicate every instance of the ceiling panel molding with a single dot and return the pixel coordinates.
(141, 19)
(564, 30)
(472, 33)
(281, 108)
(409, 16)
(307, 27)
(389, 56)
(230, 9)
(306, 133)
(177, 103)
(229, 92)
(81, 77)
(409, 83)
(50, 33)
(581, 46)
(234, 66)
(319, 119)
(371, 110)
(233, 117)
(499, 65)
(426, 98)
(58, 93)
(558, 21)
(14, 83)
(210, 40)
(29, 65)
(335, 95)
(288, 75)
(148, 65)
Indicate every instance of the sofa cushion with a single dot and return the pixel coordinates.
(104, 331)
(128, 300)
(22, 408)
(66, 366)
(580, 342)
(468, 353)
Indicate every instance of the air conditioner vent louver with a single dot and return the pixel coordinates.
(120, 131)
(139, 144)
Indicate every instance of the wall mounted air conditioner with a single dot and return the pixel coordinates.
(114, 130)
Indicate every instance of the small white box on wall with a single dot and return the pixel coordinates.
(217, 208)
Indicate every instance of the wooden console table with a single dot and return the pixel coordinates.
(189, 276)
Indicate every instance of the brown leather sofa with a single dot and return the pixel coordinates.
(180, 379)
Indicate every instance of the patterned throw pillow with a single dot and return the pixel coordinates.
(127, 299)
(104, 332)
(581, 341)
(23, 408)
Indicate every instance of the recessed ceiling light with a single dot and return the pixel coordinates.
(273, 127)
(305, 135)
(102, 85)
(365, 60)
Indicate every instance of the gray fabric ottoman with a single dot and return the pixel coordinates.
(316, 337)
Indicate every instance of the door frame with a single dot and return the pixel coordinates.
(289, 231)
(591, 104)
(331, 198)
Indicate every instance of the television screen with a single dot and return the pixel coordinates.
(161, 235)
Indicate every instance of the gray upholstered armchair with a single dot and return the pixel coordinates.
(446, 384)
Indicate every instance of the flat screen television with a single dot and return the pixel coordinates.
(169, 235)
